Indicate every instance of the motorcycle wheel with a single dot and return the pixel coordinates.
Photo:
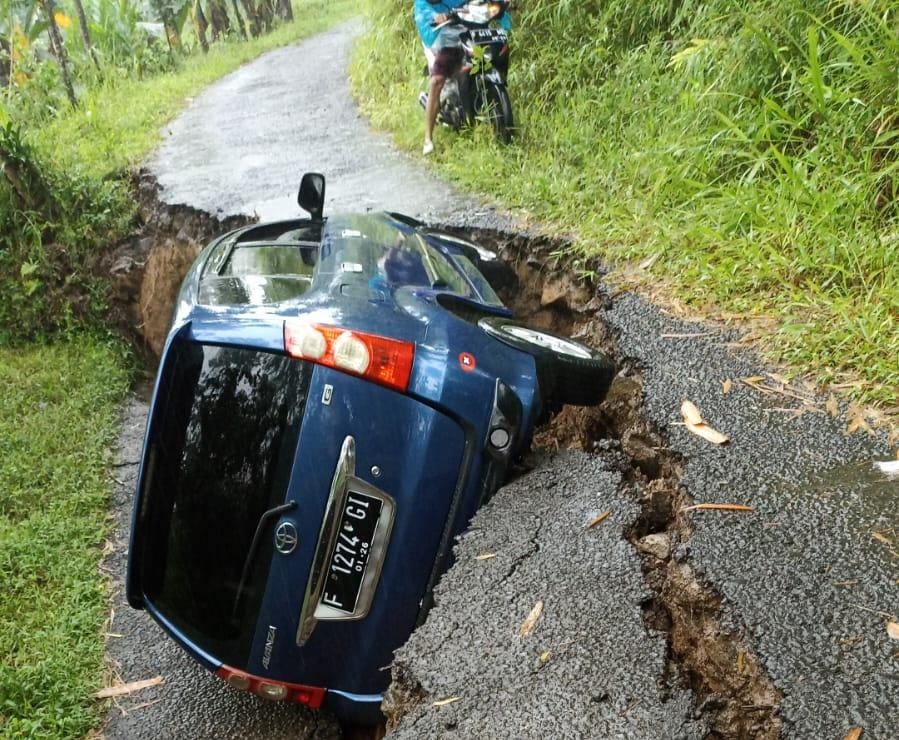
(499, 112)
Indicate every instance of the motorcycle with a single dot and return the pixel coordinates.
(478, 90)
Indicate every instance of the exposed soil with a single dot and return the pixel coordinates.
(147, 267)
(709, 650)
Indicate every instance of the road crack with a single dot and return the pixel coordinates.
(708, 650)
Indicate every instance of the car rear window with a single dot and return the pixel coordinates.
(223, 441)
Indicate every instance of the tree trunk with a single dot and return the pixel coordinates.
(241, 28)
(59, 50)
(266, 14)
(6, 69)
(285, 10)
(167, 17)
(218, 17)
(86, 33)
(252, 17)
(201, 24)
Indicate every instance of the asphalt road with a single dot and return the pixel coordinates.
(807, 585)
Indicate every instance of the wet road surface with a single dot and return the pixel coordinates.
(807, 585)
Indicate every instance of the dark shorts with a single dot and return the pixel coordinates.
(447, 61)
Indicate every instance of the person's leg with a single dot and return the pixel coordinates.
(434, 89)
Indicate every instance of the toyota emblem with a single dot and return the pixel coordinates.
(286, 538)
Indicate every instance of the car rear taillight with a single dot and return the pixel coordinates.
(310, 696)
(378, 359)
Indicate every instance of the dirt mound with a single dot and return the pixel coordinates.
(147, 267)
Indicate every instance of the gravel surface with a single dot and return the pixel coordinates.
(806, 583)
(242, 145)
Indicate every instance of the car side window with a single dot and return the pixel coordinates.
(440, 271)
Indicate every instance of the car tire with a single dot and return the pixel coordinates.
(569, 372)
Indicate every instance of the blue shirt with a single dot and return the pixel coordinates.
(425, 12)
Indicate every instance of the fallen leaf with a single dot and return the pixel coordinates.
(127, 688)
(886, 615)
(444, 702)
(882, 537)
(544, 656)
(888, 467)
(696, 424)
(856, 420)
(649, 261)
(726, 386)
(527, 626)
(893, 630)
(717, 507)
(691, 413)
(854, 734)
(598, 520)
(832, 407)
(485, 556)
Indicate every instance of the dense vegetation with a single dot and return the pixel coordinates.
(751, 149)
(64, 196)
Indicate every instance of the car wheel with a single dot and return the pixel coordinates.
(569, 372)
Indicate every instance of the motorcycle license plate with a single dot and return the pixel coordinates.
(489, 36)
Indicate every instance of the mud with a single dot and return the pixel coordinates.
(146, 267)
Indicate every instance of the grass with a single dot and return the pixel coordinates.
(58, 415)
(753, 152)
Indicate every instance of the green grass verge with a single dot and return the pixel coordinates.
(753, 151)
(117, 125)
(58, 416)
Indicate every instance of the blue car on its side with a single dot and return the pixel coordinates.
(335, 399)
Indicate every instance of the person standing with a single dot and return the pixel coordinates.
(443, 49)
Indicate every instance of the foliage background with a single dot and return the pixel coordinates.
(751, 149)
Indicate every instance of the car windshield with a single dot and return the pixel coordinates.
(257, 273)
(371, 254)
(221, 451)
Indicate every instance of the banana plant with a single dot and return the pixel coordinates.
(21, 24)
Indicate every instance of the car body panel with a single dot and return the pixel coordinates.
(427, 448)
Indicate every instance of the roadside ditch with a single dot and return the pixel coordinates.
(708, 651)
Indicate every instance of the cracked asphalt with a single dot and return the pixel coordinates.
(806, 583)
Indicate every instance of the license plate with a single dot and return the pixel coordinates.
(489, 36)
(352, 549)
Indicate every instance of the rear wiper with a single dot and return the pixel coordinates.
(254, 546)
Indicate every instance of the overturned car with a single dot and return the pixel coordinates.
(335, 399)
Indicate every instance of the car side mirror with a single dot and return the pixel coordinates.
(311, 196)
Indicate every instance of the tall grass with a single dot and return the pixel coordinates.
(754, 147)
